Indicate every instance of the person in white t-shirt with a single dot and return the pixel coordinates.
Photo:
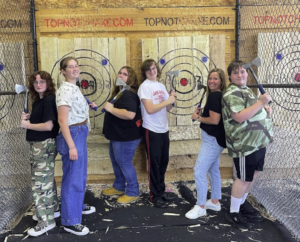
(155, 102)
(74, 122)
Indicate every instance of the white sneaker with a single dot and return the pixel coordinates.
(56, 215)
(196, 212)
(211, 206)
(40, 229)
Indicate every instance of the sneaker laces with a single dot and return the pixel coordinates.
(79, 226)
(39, 227)
(87, 207)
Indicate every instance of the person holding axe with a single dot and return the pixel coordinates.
(155, 102)
(248, 129)
(42, 129)
(73, 118)
(123, 128)
(212, 144)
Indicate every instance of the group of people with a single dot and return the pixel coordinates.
(232, 118)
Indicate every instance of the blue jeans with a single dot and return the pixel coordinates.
(121, 155)
(208, 163)
(74, 175)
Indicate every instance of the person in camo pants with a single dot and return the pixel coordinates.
(42, 129)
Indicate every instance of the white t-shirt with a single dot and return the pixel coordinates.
(70, 95)
(156, 122)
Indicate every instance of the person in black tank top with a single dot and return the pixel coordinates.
(212, 145)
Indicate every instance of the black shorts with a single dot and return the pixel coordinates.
(247, 165)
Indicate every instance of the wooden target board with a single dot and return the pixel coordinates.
(99, 61)
(193, 57)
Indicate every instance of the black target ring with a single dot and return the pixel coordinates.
(287, 68)
(100, 82)
(6, 101)
(198, 59)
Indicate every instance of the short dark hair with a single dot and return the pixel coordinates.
(233, 66)
(49, 82)
(146, 67)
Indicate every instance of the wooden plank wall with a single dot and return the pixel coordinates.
(148, 27)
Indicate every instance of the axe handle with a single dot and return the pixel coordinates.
(114, 99)
(260, 87)
(88, 101)
(173, 104)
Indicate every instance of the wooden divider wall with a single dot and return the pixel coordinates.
(174, 24)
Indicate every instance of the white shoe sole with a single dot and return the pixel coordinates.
(217, 209)
(92, 210)
(85, 231)
(31, 232)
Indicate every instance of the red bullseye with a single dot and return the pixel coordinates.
(297, 77)
(183, 82)
(84, 84)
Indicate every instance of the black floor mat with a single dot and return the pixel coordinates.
(142, 222)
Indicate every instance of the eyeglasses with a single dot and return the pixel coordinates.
(42, 82)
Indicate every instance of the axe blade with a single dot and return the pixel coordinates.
(175, 73)
(120, 82)
(256, 61)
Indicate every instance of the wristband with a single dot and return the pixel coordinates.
(72, 148)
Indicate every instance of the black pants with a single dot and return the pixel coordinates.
(157, 147)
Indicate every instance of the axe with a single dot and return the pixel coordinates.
(172, 75)
(119, 82)
(256, 62)
(19, 89)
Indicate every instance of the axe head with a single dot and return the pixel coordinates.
(256, 62)
(20, 88)
(120, 82)
(171, 73)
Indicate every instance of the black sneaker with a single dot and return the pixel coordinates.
(77, 229)
(167, 196)
(88, 209)
(251, 214)
(238, 220)
(159, 203)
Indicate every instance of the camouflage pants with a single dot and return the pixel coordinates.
(42, 179)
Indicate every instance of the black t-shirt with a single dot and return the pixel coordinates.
(43, 110)
(214, 104)
(117, 129)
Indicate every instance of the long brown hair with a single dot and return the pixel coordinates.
(49, 82)
(146, 67)
(222, 78)
(132, 81)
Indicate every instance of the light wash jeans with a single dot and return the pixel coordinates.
(74, 176)
(121, 155)
(208, 163)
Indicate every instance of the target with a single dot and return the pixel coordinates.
(97, 75)
(193, 69)
(6, 101)
(287, 71)
(280, 54)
